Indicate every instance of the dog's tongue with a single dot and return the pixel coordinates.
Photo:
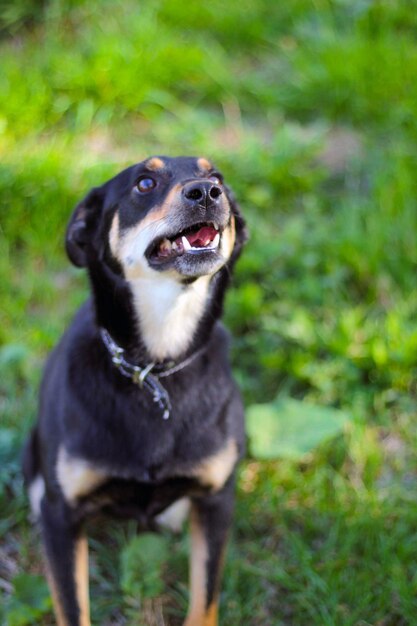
(202, 237)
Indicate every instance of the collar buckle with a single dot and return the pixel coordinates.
(140, 373)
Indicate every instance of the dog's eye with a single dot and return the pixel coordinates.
(146, 184)
(216, 179)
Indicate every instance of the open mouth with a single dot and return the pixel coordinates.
(199, 238)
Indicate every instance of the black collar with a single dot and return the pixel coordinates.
(141, 374)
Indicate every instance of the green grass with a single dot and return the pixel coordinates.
(310, 109)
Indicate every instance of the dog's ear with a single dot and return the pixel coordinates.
(82, 225)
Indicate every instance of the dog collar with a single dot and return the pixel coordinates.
(142, 376)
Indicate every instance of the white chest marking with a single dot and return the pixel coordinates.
(169, 313)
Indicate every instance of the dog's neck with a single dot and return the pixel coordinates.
(168, 313)
(157, 320)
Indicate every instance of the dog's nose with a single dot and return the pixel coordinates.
(202, 193)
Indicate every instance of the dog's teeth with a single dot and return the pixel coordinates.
(216, 226)
(186, 243)
(175, 246)
(214, 244)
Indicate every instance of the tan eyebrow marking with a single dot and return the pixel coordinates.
(204, 165)
(155, 163)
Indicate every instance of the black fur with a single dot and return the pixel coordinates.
(96, 414)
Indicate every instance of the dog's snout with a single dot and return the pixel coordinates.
(202, 193)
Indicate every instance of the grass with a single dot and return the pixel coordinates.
(310, 109)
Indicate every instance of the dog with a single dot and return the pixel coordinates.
(139, 415)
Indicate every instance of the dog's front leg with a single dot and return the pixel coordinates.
(66, 553)
(211, 517)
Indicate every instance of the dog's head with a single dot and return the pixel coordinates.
(173, 215)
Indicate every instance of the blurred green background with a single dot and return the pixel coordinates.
(309, 107)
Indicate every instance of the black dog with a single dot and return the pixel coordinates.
(139, 415)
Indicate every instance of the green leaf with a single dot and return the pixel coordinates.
(141, 565)
(291, 429)
(30, 600)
